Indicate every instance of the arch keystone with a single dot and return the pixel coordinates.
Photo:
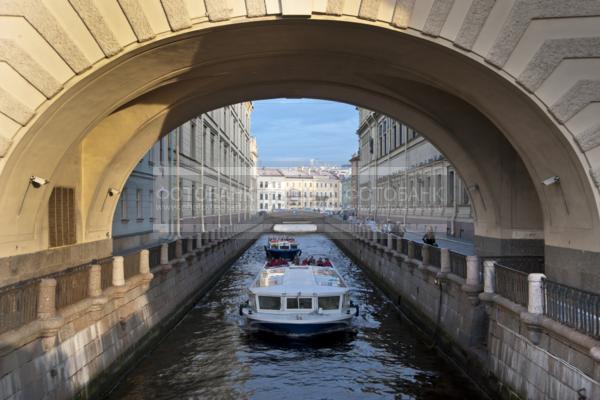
(521, 14)
(28, 68)
(256, 8)
(369, 9)
(94, 21)
(46, 24)
(473, 24)
(177, 14)
(335, 7)
(137, 19)
(218, 10)
(580, 95)
(437, 17)
(589, 139)
(552, 53)
(14, 109)
(403, 13)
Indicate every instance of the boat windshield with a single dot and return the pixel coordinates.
(329, 302)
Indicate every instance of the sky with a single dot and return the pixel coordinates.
(292, 132)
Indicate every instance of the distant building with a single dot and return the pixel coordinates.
(346, 183)
(402, 177)
(201, 174)
(298, 188)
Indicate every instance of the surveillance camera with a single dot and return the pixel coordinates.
(112, 192)
(37, 182)
(551, 181)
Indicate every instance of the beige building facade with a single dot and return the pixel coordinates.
(200, 175)
(299, 188)
(403, 178)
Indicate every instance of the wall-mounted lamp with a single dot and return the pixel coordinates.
(551, 181)
(37, 182)
(111, 192)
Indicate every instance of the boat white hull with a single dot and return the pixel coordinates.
(290, 326)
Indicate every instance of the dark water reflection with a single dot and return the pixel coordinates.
(209, 355)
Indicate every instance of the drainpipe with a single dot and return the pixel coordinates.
(178, 207)
(202, 176)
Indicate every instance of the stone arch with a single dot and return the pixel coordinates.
(462, 69)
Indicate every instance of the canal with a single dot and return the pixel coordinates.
(208, 355)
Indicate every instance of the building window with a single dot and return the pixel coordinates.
(161, 150)
(61, 217)
(193, 200)
(123, 204)
(139, 205)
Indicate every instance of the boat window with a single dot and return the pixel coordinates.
(296, 303)
(269, 303)
(329, 302)
(284, 247)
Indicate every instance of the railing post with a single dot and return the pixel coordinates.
(472, 286)
(425, 254)
(164, 254)
(144, 262)
(411, 250)
(535, 304)
(95, 281)
(444, 262)
(46, 299)
(178, 248)
(46, 313)
(473, 279)
(390, 241)
(118, 277)
(489, 277)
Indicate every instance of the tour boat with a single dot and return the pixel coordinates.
(282, 247)
(298, 300)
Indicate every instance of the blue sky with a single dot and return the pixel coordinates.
(291, 132)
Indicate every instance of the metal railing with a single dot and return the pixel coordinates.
(72, 285)
(404, 246)
(418, 251)
(172, 250)
(572, 307)
(106, 273)
(435, 256)
(154, 256)
(512, 284)
(528, 264)
(18, 305)
(458, 264)
(131, 264)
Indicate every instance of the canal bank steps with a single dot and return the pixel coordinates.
(72, 334)
(503, 334)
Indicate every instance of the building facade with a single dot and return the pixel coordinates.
(403, 178)
(202, 174)
(299, 188)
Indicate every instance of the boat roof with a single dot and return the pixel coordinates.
(293, 279)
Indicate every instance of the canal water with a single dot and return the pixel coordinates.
(209, 355)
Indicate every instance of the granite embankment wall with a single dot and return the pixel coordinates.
(511, 351)
(80, 350)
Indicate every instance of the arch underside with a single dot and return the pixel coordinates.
(498, 138)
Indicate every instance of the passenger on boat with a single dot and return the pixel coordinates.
(327, 263)
(320, 262)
